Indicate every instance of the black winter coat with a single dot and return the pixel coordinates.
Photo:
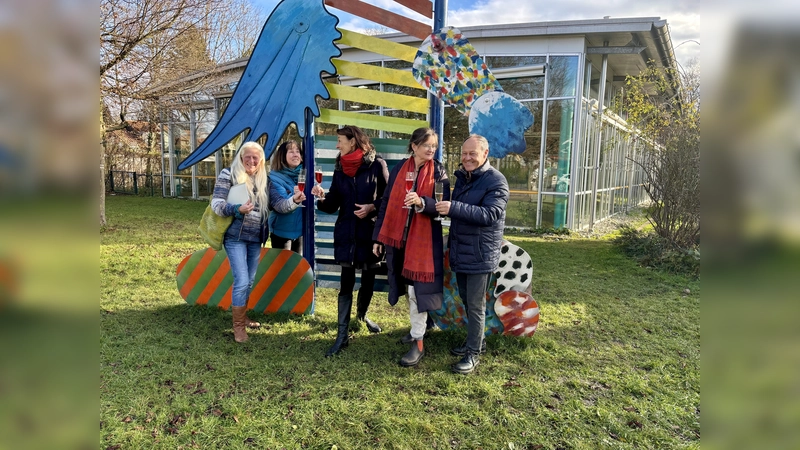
(477, 218)
(429, 295)
(352, 237)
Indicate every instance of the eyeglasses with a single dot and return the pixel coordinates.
(429, 146)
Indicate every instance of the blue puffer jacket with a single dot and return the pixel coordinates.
(477, 218)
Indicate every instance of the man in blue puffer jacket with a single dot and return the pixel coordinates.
(477, 212)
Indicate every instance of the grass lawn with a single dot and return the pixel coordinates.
(615, 361)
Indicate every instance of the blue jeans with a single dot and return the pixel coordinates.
(472, 289)
(244, 257)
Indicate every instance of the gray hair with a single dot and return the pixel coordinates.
(483, 144)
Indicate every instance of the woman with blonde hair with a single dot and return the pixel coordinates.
(249, 229)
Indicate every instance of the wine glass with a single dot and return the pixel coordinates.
(409, 184)
(438, 193)
(301, 184)
(318, 176)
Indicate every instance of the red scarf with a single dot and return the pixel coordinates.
(351, 162)
(418, 262)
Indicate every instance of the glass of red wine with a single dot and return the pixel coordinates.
(301, 184)
(318, 176)
(438, 193)
(409, 184)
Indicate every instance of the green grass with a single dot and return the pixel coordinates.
(614, 363)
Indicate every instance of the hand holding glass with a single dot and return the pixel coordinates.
(438, 193)
(301, 184)
(409, 184)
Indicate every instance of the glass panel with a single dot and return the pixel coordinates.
(181, 144)
(397, 64)
(521, 211)
(496, 62)
(523, 88)
(554, 211)
(558, 149)
(562, 75)
(456, 131)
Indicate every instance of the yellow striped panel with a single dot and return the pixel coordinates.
(371, 121)
(382, 74)
(379, 46)
(385, 99)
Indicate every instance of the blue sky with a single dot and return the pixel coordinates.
(683, 16)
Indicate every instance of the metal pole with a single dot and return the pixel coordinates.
(308, 211)
(437, 107)
(601, 99)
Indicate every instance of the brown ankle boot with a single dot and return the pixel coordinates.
(239, 316)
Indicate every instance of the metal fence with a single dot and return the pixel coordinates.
(124, 182)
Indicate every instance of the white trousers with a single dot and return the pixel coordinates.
(418, 319)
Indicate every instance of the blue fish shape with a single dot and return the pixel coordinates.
(281, 80)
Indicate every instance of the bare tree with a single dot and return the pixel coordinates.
(150, 43)
(666, 111)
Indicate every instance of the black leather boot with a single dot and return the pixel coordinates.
(414, 355)
(467, 364)
(345, 306)
(364, 299)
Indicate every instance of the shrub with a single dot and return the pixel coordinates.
(652, 250)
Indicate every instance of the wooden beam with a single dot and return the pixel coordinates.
(385, 99)
(376, 73)
(371, 121)
(382, 47)
(424, 7)
(382, 17)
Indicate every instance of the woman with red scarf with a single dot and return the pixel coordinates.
(414, 248)
(359, 180)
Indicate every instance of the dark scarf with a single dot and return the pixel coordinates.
(351, 162)
(418, 262)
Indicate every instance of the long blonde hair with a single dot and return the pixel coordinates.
(259, 180)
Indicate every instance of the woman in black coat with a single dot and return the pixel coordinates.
(359, 180)
(413, 236)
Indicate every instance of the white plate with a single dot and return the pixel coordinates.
(238, 194)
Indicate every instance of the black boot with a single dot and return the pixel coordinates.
(345, 305)
(364, 299)
(467, 364)
(414, 355)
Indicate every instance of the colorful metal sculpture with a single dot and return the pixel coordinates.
(284, 281)
(449, 66)
(282, 78)
(508, 311)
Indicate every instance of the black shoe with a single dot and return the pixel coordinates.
(466, 365)
(372, 326)
(461, 350)
(414, 355)
(342, 341)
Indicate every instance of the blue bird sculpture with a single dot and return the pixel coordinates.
(282, 79)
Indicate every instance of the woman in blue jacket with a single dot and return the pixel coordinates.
(359, 179)
(286, 222)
